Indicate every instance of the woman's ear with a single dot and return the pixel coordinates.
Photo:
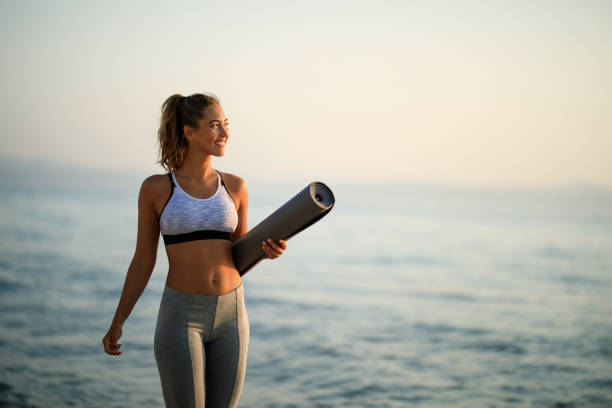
(188, 132)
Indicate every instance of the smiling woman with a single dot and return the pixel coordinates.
(187, 111)
(202, 332)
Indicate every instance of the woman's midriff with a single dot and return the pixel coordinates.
(203, 267)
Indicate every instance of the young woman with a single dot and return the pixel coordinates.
(202, 331)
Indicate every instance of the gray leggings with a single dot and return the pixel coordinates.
(201, 345)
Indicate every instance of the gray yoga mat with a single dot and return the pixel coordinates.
(304, 209)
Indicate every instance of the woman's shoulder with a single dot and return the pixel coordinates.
(155, 184)
(156, 179)
(231, 178)
(234, 182)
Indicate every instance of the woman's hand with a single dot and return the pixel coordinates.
(273, 250)
(110, 340)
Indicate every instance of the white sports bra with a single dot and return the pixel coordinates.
(186, 218)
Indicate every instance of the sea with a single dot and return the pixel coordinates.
(403, 295)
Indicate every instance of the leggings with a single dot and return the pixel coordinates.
(200, 346)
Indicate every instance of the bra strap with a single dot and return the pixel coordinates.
(170, 196)
(222, 182)
(221, 177)
(171, 181)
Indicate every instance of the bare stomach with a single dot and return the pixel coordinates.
(203, 267)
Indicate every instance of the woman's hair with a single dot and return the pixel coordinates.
(178, 111)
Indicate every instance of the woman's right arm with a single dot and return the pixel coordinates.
(142, 264)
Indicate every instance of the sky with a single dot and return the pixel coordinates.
(478, 93)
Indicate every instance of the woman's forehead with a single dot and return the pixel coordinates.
(214, 112)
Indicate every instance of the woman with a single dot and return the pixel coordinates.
(202, 332)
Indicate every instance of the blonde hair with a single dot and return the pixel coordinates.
(178, 111)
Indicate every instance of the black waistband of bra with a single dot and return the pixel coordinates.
(195, 235)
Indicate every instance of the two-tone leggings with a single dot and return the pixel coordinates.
(201, 345)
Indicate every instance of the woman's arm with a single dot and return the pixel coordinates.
(142, 264)
(243, 208)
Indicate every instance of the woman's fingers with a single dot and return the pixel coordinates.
(277, 247)
(110, 348)
(114, 349)
(110, 342)
(273, 250)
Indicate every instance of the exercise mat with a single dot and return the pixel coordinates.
(304, 209)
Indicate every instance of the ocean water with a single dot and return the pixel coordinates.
(402, 296)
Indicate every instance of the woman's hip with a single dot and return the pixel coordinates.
(213, 315)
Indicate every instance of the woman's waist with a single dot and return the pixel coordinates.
(203, 279)
(200, 254)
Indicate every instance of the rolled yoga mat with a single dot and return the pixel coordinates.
(304, 209)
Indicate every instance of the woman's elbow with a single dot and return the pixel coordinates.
(145, 261)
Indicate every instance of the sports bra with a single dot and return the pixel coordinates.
(186, 218)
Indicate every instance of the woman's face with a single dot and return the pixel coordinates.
(212, 132)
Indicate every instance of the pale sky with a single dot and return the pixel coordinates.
(500, 93)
